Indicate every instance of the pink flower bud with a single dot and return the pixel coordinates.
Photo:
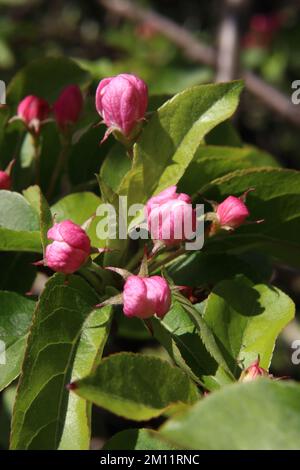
(253, 372)
(170, 216)
(144, 297)
(70, 249)
(33, 111)
(265, 24)
(232, 212)
(68, 106)
(122, 102)
(5, 180)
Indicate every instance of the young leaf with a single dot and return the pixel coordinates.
(42, 400)
(247, 319)
(16, 314)
(224, 134)
(17, 272)
(77, 428)
(172, 136)
(181, 338)
(198, 268)
(136, 386)
(46, 78)
(19, 224)
(79, 207)
(138, 439)
(241, 417)
(211, 162)
(38, 202)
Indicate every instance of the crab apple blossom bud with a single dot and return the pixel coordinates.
(122, 102)
(33, 111)
(70, 248)
(232, 212)
(68, 106)
(253, 372)
(5, 176)
(170, 216)
(144, 297)
(5, 180)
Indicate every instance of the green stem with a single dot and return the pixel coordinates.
(92, 279)
(167, 260)
(133, 263)
(61, 166)
(37, 158)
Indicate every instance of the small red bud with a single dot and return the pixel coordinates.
(71, 386)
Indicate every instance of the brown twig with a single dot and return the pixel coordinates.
(227, 66)
(199, 52)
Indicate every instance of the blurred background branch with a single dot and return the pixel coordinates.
(200, 52)
(228, 47)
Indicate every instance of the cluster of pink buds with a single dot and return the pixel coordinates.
(35, 111)
(122, 102)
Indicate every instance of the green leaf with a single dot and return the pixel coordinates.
(6, 403)
(19, 224)
(241, 417)
(42, 400)
(211, 162)
(38, 202)
(181, 337)
(79, 207)
(276, 199)
(169, 141)
(247, 319)
(224, 134)
(136, 386)
(86, 154)
(17, 272)
(199, 268)
(46, 78)
(115, 167)
(77, 430)
(15, 319)
(138, 439)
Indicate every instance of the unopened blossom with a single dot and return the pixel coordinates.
(5, 180)
(70, 248)
(232, 212)
(144, 297)
(33, 111)
(253, 372)
(122, 102)
(170, 216)
(68, 106)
